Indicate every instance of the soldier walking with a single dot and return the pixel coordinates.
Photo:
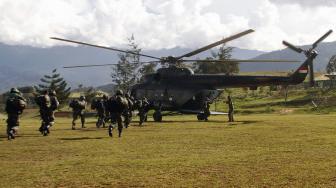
(116, 106)
(44, 103)
(54, 103)
(78, 110)
(15, 104)
(98, 105)
(231, 108)
(128, 112)
(143, 110)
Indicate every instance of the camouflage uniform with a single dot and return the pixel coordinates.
(44, 103)
(54, 105)
(78, 109)
(15, 105)
(98, 105)
(206, 108)
(231, 108)
(143, 110)
(128, 112)
(117, 105)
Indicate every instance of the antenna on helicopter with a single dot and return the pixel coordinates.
(311, 54)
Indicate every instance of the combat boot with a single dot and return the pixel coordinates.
(110, 128)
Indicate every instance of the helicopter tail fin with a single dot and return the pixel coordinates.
(301, 73)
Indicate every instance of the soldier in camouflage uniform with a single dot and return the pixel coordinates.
(78, 109)
(117, 105)
(143, 106)
(44, 103)
(15, 104)
(53, 106)
(128, 112)
(106, 111)
(206, 108)
(231, 108)
(98, 105)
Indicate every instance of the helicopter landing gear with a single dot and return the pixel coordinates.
(157, 116)
(202, 117)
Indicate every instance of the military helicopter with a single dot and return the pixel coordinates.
(179, 89)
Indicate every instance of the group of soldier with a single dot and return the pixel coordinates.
(117, 110)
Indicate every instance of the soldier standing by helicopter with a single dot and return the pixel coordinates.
(78, 108)
(206, 108)
(15, 104)
(231, 108)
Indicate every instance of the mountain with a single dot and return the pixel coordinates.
(25, 65)
(325, 50)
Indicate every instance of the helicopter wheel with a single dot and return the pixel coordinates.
(200, 117)
(157, 116)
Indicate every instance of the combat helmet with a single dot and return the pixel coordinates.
(82, 98)
(119, 92)
(14, 90)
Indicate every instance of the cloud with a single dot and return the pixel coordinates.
(164, 23)
(307, 3)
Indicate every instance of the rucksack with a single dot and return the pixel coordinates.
(15, 104)
(43, 101)
(54, 103)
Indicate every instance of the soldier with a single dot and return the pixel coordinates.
(44, 103)
(117, 105)
(231, 108)
(128, 112)
(143, 110)
(107, 113)
(53, 106)
(98, 105)
(78, 109)
(206, 108)
(15, 104)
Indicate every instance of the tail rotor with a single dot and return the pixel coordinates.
(311, 54)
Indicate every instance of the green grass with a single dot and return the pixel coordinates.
(257, 151)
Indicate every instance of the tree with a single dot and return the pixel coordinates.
(227, 68)
(331, 66)
(124, 74)
(54, 82)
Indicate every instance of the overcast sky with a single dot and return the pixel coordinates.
(166, 23)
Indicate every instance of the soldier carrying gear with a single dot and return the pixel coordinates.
(107, 112)
(117, 105)
(231, 108)
(15, 104)
(53, 106)
(44, 103)
(128, 112)
(78, 110)
(143, 106)
(98, 105)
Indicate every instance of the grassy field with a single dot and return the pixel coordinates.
(257, 151)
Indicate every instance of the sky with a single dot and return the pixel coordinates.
(158, 24)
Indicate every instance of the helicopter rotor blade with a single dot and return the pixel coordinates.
(291, 46)
(322, 38)
(216, 44)
(83, 66)
(104, 47)
(244, 60)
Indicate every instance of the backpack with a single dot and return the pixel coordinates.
(54, 103)
(15, 104)
(43, 101)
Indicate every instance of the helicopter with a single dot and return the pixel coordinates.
(179, 89)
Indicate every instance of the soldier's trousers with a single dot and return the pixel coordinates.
(45, 117)
(12, 121)
(51, 116)
(77, 115)
(117, 118)
(230, 116)
(143, 117)
(128, 118)
(101, 118)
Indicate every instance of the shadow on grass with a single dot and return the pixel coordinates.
(82, 138)
(210, 121)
